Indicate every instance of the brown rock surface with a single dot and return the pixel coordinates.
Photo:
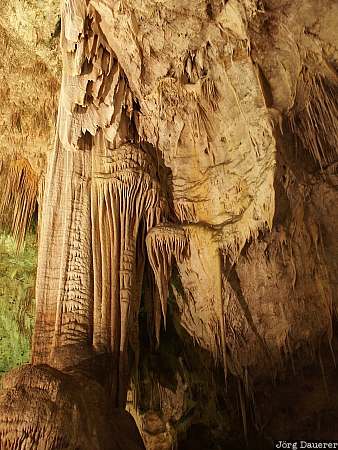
(193, 176)
(45, 409)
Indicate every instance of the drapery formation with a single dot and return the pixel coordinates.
(126, 203)
(127, 134)
(165, 243)
(102, 195)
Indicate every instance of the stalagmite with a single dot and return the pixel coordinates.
(45, 409)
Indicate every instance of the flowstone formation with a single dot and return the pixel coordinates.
(61, 411)
(126, 203)
(193, 179)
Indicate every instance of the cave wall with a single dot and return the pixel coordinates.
(30, 73)
(227, 113)
(17, 281)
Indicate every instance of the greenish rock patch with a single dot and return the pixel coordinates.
(17, 303)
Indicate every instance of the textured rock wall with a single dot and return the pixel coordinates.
(30, 69)
(17, 281)
(195, 163)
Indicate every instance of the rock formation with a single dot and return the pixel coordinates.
(29, 74)
(193, 177)
(59, 411)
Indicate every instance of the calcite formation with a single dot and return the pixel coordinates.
(194, 137)
(45, 409)
(165, 245)
(29, 75)
(19, 196)
(125, 205)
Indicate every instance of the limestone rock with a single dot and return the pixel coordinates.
(193, 177)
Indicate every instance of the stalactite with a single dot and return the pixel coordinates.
(210, 93)
(165, 243)
(313, 117)
(125, 194)
(242, 402)
(19, 197)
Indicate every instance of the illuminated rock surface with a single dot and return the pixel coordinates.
(192, 181)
